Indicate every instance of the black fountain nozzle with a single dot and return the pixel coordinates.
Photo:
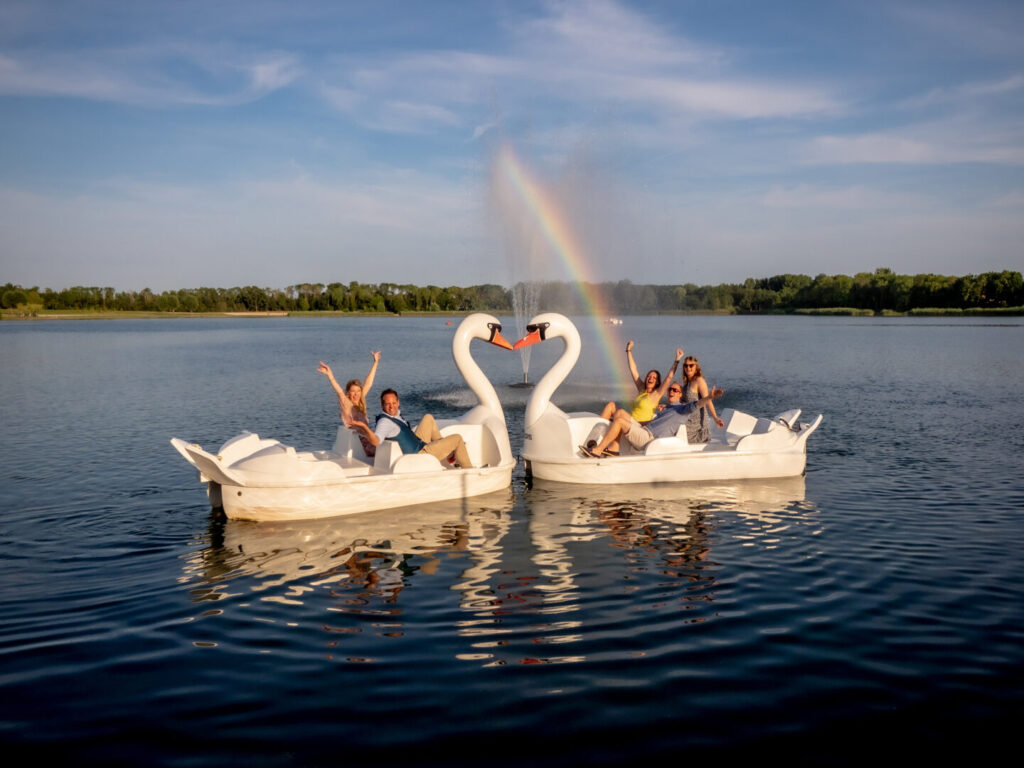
(524, 384)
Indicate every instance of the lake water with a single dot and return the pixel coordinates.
(871, 609)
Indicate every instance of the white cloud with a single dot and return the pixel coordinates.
(968, 93)
(924, 145)
(842, 199)
(579, 55)
(740, 99)
(140, 75)
(607, 36)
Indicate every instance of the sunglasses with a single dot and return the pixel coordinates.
(675, 389)
(689, 365)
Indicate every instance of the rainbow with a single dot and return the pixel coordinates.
(555, 226)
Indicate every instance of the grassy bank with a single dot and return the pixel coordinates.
(920, 312)
(77, 314)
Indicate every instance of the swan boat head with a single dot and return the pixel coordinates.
(547, 426)
(489, 412)
(486, 328)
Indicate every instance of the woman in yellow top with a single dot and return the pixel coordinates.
(650, 389)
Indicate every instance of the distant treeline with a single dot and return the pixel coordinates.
(878, 291)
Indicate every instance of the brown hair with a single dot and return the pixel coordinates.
(686, 377)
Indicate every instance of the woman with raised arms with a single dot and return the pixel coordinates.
(352, 399)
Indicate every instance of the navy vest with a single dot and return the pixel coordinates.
(405, 438)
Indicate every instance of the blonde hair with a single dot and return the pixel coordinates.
(361, 403)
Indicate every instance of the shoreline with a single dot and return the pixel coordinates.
(52, 315)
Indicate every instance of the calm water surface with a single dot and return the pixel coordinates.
(875, 604)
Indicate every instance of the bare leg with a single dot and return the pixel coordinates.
(609, 410)
(619, 426)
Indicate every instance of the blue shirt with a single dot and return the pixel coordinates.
(667, 423)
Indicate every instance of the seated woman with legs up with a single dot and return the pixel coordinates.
(639, 435)
(352, 400)
(650, 390)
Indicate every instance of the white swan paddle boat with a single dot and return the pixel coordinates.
(255, 478)
(748, 447)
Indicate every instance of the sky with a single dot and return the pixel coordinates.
(183, 144)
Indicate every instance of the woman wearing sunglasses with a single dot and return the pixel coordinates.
(695, 388)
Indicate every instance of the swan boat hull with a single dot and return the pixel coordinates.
(320, 484)
(748, 447)
(254, 478)
(261, 479)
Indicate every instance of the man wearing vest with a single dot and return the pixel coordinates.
(425, 439)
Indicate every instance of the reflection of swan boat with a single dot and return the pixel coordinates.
(262, 479)
(748, 447)
(671, 502)
(325, 551)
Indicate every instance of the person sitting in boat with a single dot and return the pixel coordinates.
(694, 388)
(665, 424)
(650, 389)
(352, 400)
(426, 438)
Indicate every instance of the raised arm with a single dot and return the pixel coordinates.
(666, 380)
(640, 385)
(368, 381)
(344, 404)
(702, 391)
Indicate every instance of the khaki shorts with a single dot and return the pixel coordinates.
(638, 434)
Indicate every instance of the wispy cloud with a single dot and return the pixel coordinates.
(607, 36)
(842, 199)
(589, 55)
(149, 75)
(954, 141)
(972, 94)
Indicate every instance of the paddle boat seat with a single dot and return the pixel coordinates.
(347, 445)
(680, 443)
(389, 459)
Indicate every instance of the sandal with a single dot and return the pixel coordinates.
(588, 452)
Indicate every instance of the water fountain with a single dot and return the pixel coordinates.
(524, 305)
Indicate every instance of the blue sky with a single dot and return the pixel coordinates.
(185, 144)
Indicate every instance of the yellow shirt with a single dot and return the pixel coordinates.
(643, 408)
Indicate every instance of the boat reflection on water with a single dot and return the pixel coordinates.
(375, 551)
(590, 548)
(539, 575)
